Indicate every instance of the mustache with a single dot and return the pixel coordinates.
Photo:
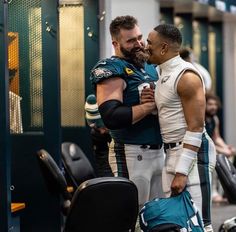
(142, 54)
(140, 49)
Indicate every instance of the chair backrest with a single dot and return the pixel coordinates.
(77, 165)
(227, 176)
(54, 178)
(103, 204)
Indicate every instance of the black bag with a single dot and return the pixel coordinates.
(227, 176)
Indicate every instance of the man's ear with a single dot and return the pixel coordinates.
(114, 43)
(164, 48)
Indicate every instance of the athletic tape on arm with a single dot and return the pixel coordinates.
(188, 156)
(186, 161)
(193, 138)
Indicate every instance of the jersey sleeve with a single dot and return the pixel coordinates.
(106, 69)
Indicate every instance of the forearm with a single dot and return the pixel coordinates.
(116, 115)
(141, 111)
(220, 142)
(191, 144)
(223, 150)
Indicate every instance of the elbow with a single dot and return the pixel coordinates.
(115, 115)
(112, 124)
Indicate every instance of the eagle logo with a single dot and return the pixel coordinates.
(165, 79)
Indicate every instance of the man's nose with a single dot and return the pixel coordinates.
(139, 43)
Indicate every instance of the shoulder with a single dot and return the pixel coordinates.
(107, 68)
(189, 83)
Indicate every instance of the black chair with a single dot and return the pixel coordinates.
(76, 164)
(107, 204)
(54, 178)
(100, 204)
(227, 176)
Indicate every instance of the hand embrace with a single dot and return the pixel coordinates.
(147, 95)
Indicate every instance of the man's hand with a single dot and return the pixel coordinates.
(178, 184)
(232, 149)
(147, 95)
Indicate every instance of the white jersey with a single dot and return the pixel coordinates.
(171, 116)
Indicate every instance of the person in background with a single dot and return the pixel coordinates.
(180, 99)
(213, 129)
(100, 136)
(136, 149)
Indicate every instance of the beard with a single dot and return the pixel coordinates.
(211, 113)
(136, 56)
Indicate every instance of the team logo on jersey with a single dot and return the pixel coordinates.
(165, 79)
(102, 72)
(129, 71)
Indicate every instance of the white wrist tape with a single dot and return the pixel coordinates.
(193, 138)
(186, 161)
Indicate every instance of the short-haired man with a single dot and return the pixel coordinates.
(180, 99)
(136, 149)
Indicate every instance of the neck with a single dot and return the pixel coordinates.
(119, 54)
(169, 56)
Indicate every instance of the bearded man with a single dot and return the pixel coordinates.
(136, 149)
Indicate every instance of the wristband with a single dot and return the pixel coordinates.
(193, 138)
(186, 161)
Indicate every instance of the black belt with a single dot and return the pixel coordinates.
(151, 146)
(171, 145)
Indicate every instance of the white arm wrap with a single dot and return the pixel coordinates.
(193, 138)
(186, 161)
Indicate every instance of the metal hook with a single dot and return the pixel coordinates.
(90, 32)
(48, 27)
(102, 16)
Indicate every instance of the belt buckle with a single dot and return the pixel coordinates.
(144, 146)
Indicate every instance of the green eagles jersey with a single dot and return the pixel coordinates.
(147, 130)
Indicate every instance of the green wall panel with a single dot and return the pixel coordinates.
(5, 155)
(184, 23)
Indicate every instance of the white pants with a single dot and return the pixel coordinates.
(199, 178)
(143, 166)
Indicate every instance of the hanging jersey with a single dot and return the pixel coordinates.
(146, 131)
(170, 110)
(179, 210)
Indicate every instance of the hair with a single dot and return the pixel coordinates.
(184, 53)
(122, 22)
(169, 32)
(211, 96)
